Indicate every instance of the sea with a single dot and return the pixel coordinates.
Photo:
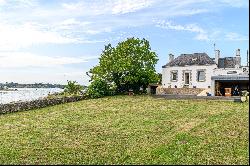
(26, 94)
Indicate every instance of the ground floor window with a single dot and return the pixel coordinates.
(201, 76)
(174, 76)
(187, 78)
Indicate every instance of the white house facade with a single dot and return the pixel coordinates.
(198, 70)
(195, 76)
(188, 70)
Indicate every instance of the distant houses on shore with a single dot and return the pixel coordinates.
(36, 85)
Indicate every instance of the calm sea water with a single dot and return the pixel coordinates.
(26, 94)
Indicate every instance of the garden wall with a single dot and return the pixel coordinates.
(35, 104)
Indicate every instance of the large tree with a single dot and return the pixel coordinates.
(129, 65)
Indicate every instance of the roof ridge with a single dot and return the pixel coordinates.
(187, 59)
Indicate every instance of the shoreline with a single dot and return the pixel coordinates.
(7, 90)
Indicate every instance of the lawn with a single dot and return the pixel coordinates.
(128, 130)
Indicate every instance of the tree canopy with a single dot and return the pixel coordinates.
(129, 65)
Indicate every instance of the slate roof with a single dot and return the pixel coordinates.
(191, 59)
(227, 62)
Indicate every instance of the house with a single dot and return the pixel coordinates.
(198, 70)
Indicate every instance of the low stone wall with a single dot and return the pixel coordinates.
(35, 104)
(179, 91)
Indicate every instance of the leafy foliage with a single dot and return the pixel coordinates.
(130, 65)
(98, 88)
(73, 88)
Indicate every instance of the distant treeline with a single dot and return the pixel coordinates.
(35, 85)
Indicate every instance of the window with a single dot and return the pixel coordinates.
(174, 75)
(200, 75)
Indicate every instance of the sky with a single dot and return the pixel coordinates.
(52, 41)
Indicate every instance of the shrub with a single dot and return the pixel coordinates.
(99, 88)
(73, 88)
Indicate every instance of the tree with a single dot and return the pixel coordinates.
(98, 88)
(130, 65)
(73, 88)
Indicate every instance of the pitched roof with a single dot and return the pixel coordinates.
(191, 59)
(227, 62)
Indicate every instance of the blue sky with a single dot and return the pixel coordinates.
(58, 40)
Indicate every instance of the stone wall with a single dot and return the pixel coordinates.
(35, 104)
(179, 91)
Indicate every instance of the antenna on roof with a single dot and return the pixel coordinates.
(214, 46)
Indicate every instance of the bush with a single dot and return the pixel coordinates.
(72, 88)
(99, 88)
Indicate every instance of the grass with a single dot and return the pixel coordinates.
(128, 130)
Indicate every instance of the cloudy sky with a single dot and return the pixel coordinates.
(58, 40)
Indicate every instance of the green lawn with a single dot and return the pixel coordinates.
(128, 130)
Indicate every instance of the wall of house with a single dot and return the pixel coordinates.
(167, 82)
(230, 71)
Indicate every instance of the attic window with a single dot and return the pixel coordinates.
(201, 75)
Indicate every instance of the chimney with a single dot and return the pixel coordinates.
(238, 59)
(171, 57)
(217, 56)
(237, 52)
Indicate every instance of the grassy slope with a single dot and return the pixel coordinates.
(127, 130)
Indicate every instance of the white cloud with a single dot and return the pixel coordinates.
(236, 37)
(202, 34)
(47, 75)
(128, 6)
(2, 2)
(79, 21)
(18, 4)
(108, 6)
(169, 25)
(14, 37)
(25, 59)
(236, 3)
(79, 27)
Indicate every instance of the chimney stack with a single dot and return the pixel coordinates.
(217, 56)
(171, 57)
(238, 59)
(237, 52)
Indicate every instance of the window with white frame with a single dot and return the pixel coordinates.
(174, 75)
(201, 76)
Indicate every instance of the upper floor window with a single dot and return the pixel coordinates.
(201, 75)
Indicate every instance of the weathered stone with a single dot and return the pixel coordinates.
(179, 91)
(35, 104)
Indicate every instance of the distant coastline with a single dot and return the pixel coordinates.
(6, 86)
(3, 90)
